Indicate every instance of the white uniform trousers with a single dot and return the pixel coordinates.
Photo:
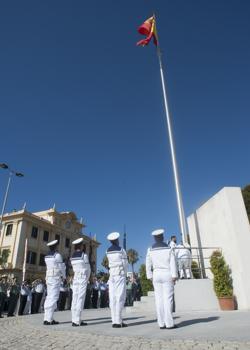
(79, 288)
(117, 297)
(164, 291)
(53, 291)
(184, 267)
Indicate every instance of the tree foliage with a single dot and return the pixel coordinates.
(146, 284)
(104, 276)
(4, 254)
(133, 257)
(223, 283)
(246, 197)
(105, 262)
(195, 270)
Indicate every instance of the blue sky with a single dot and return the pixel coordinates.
(82, 113)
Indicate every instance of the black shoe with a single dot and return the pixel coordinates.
(115, 325)
(75, 324)
(83, 323)
(164, 327)
(124, 325)
(174, 326)
(53, 322)
(46, 323)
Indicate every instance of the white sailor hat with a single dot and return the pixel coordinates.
(77, 241)
(113, 236)
(50, 244)
(158, 232)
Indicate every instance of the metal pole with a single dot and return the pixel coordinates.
(25, 257)
(5, 199)
(182, 218)
(124, 238)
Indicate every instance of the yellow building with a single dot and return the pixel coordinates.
(39, 228)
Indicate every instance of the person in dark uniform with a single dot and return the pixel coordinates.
(14, 295)
(62, 295)
(138, 290)
(95, 292)
(33, 298)
(24, 292)
(87, 303)
(3, 293)
(39, 290)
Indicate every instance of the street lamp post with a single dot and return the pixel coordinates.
(11, 173)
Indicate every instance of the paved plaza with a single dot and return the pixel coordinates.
(215, 330)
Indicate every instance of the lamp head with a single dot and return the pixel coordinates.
(19, 174)
(3, 166)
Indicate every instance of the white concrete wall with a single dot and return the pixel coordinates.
(195, 295)
(222, 222)
(190, 295)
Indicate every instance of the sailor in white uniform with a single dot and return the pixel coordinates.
(173, 242)
(184, 258)
(117, 258)
(55, 270)
(161, 268)
(81, 268)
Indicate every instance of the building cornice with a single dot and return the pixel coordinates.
(23, 214)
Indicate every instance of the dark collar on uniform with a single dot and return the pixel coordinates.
(159, 245)
(51, 253)
(77, 254)
(114, 248)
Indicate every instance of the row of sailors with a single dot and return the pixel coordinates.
(81, 268)
(161, 268)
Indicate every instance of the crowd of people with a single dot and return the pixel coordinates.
(133, 290)
(24, 298)
(28, 297)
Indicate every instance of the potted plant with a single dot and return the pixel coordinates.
(223, 283)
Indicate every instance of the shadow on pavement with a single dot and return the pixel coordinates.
(197, 320)
(109, 320)
(96, 319)
(141, 322)
(102, 320)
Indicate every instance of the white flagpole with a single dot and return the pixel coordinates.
(182, 218)
(25, 257)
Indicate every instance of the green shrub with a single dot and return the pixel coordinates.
(223, 283)
(146, 284)
(195, 270)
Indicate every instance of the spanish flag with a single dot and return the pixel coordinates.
(148, 28)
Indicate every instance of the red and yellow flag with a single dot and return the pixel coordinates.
(148, 28)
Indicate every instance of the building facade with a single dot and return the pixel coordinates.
(39, 228)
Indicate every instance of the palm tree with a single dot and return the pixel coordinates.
(133, 257)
